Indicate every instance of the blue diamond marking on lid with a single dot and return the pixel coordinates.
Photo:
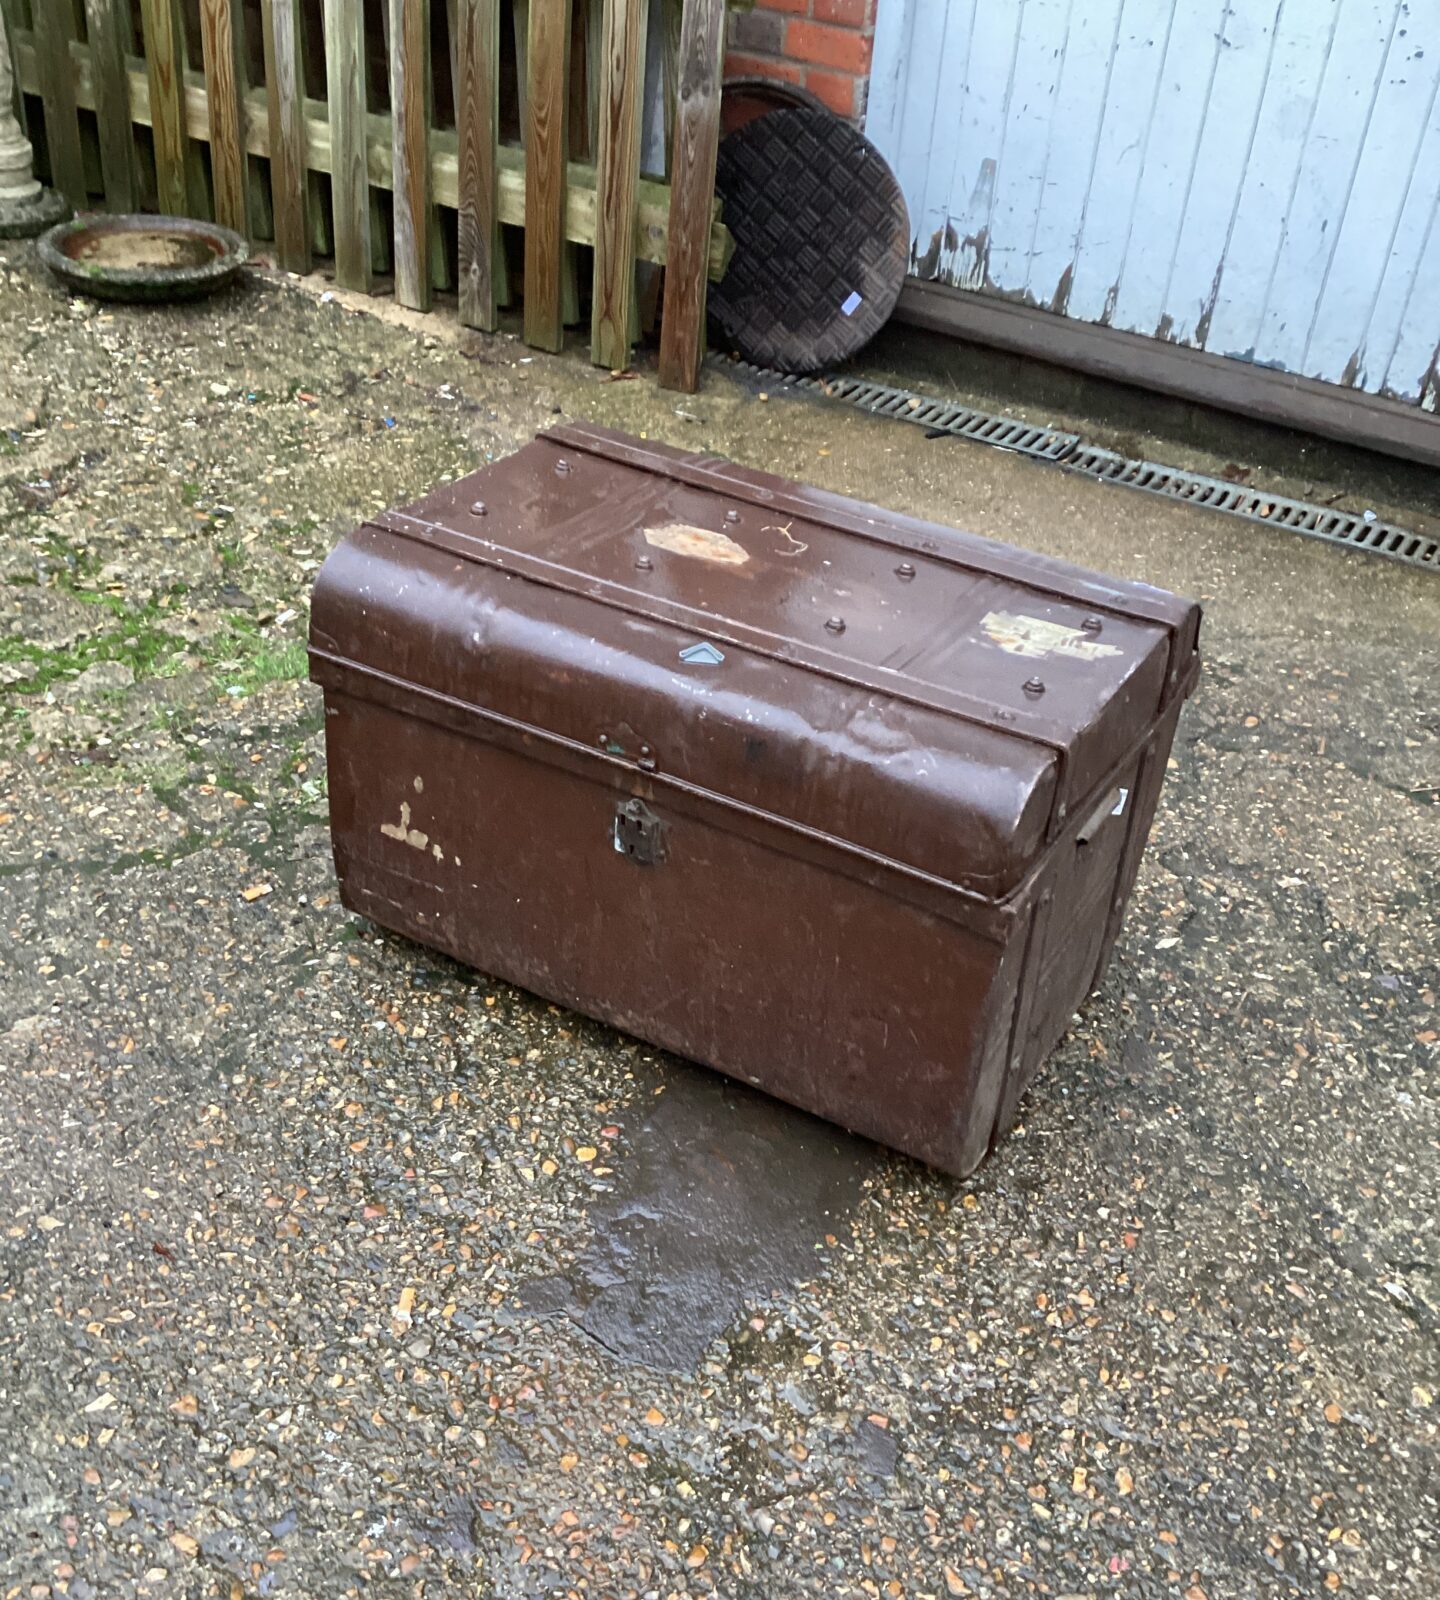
(703, 654)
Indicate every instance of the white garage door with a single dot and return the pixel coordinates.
(1258, 178)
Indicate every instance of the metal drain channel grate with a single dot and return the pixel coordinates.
(1275, 510)
(937, 416)
(1346, 528)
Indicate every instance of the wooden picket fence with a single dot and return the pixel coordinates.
(372, 131)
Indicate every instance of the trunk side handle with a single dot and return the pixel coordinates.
(1113, 805)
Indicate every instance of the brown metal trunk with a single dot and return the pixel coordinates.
(844, 804)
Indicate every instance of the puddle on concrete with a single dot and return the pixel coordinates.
(722, 1196)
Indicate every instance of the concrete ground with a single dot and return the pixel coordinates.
(329, 1268)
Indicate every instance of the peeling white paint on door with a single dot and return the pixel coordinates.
(1257, 178)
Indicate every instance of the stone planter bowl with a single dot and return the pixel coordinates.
(145, 258)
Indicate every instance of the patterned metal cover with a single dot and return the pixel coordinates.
(821, 240)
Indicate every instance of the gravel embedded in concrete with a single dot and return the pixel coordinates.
(330, 1268)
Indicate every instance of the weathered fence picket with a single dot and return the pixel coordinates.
(617, 171)
(546, 93)
(410, 124)
(54, 34)
(349, 181)
(108, 28)
(692, 178)
(477, 123)
(165, 61)
(289, 132)
(220, 42)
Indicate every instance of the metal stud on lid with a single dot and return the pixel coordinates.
(835, 625)
(479, 509)
(1034, 688)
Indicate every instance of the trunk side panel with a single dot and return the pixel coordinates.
(1089, 886)
(1148, 783)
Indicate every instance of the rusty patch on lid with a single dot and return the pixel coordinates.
(1037, 637)
(683, 539)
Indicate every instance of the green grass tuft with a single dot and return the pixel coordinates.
(269, 663)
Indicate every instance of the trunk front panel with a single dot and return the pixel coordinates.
(827, 991)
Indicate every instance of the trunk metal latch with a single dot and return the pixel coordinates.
(639, 833)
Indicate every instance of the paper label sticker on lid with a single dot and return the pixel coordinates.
(1038, 636)
(703, 544)
(850, 304)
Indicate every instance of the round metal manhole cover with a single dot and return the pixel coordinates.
(821, 240)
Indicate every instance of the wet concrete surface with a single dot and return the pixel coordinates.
(724, 1201)
(330, 1268)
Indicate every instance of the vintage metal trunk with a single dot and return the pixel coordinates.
(844, 804)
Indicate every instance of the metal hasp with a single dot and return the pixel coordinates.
(639, 833)
(870, 791)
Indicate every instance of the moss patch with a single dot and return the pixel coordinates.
(136, 641)
(264, 661)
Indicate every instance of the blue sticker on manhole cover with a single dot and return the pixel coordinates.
(703, 654)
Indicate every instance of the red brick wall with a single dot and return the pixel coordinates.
(823, 45)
